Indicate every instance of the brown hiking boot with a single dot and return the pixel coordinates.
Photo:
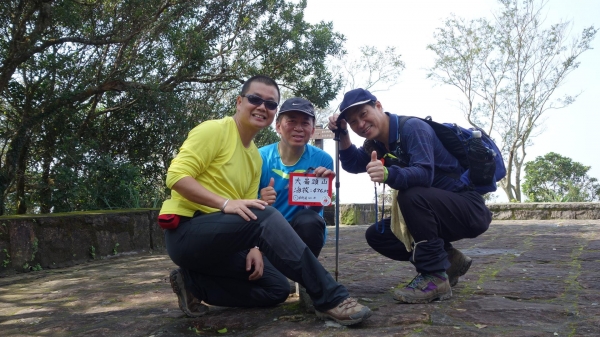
(424, 288)
(189, 304)
(459, 265)
(346, 313)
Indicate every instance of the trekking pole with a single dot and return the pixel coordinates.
(336, 138)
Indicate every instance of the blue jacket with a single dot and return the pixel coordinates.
(430, 164)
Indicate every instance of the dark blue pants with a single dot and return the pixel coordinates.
(310, 227)
(211, 250)
(436, 217)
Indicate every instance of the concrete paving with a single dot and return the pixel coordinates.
(528, 278)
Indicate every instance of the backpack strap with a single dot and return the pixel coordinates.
(404, 156)
(398, 152)
(401, 121)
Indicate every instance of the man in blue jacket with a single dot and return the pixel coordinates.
(437, 208)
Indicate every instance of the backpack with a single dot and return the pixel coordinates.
(483, 166)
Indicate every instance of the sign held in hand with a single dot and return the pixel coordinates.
(306, 189)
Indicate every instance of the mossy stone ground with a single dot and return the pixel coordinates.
(528, 278)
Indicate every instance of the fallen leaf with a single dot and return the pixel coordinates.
(224, 330)
(481, 326)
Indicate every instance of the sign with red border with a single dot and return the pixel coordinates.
(306, 189)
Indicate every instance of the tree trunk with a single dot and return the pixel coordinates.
(21, 169)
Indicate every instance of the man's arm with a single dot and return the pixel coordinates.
(193, 191)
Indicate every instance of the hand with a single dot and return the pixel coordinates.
(332, 125)
(254, 258)
(324, 172)
(268, 193)
(242, 207)
(375, 169)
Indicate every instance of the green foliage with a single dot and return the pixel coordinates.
(6, 260)
(34, 248)
(96, 97)
(266, 136)
(115, 252)
(349, 216)
(93, 252)
(554, 178)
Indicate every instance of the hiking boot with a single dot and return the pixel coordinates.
(346, 313)
(459, 265)
(189, 304)
(425, 288)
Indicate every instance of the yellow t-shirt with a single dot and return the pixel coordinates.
(214, 155)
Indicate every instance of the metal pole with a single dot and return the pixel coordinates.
(336, 138)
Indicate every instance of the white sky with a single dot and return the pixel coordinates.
(409, 26)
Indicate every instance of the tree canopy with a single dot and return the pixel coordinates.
(554, 178)
(96, 96)
(508, 71)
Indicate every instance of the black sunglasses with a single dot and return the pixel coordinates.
(255, 100)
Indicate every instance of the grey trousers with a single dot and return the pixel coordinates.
(211, 250)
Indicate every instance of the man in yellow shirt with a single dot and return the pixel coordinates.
(232, 249)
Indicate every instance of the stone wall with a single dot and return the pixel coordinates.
(60, 240)
(359, 214)
(546, 211)
(34, 242)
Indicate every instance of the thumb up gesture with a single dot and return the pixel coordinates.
(375, 168)
(268, 193)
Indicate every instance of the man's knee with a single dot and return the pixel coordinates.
(479, 229)
(371, 235)
(281, 292)
(308, 222)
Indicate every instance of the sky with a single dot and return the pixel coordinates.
(409, 25)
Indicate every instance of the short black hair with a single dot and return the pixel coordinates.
(261, 79)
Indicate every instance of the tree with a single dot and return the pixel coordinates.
(374, 70)
(554, 178)
(508, 71)
(93, 91)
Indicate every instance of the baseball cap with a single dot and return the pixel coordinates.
(297, 104)
(355, 97)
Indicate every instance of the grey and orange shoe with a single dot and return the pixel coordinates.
(459, 265)
(425, 288)
(348, 312)
(189, 304)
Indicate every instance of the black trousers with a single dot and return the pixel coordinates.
(435, 218)
(211, 250)
(310, 227)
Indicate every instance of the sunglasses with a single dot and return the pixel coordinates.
(255, 100)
